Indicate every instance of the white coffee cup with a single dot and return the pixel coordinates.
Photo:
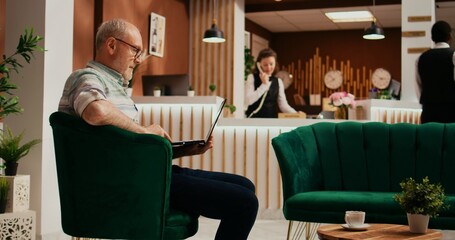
(354, 218)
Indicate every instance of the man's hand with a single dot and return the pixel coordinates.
(192, 149)
(158, 130)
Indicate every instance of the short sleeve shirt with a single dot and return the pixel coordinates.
(93, 83)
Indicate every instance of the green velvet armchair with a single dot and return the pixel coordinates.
(114, 184)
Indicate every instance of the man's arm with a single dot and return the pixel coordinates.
(102, 112)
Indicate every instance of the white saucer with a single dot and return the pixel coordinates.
(357, 228)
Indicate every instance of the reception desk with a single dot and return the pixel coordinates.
(241, 146)
(388, 111)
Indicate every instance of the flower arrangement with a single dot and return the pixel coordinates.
(342, 99)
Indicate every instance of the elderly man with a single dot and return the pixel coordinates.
(97, 95)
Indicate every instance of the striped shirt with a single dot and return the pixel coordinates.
(95, 82)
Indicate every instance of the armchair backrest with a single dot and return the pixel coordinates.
(372, 156)
(113, 183)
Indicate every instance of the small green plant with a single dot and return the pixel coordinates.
(10, 148)
(190, 88)
(212, 87)
(249, 63)
(421, 198)
(156, 88)
(28, 43)
(3, 189)
(231, 108)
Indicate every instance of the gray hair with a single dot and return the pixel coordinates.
(112, 28)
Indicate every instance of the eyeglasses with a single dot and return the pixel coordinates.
(138, 52)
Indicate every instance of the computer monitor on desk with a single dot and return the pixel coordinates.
(170, 85)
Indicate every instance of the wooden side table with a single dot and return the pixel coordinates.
(375, 231)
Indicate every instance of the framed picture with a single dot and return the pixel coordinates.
(157, 32)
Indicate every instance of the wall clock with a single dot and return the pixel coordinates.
(381, 78)
(333, 79)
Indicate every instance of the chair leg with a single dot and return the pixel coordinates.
(303, 230)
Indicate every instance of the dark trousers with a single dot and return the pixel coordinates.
(228, 197)
(443, 113)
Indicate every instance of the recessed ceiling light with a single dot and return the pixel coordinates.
(350, 16)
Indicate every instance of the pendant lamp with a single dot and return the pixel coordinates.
(213, 34)
(374, 32)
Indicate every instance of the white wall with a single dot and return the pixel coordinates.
(41, 85)
(408, 60)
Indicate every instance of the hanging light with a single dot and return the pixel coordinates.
(374, 32)
(213, 34)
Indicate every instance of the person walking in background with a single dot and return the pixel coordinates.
(264, 93)
(436, 77)
(98, 95)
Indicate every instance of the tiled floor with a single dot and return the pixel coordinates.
(263, 230)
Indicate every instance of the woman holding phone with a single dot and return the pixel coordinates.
(264, 93)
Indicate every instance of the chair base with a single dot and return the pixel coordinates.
(302, 230)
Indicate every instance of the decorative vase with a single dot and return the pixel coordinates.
(418, 223)
(341, 113)
(11, 168)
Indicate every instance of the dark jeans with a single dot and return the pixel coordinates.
(228, 197)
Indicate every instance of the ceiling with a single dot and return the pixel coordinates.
(308, 15)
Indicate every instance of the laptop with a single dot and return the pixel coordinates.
(203, 141)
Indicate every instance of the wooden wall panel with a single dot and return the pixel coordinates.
(212, 62)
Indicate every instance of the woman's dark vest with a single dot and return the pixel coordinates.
(270, 107)
(436, 73)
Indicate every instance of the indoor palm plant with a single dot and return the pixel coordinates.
(28, 43)
(421, 201)
(11, 149)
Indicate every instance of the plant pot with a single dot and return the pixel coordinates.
(2, 205)
(11, 168)
(190, 93)
(156, 93)
(418, 223)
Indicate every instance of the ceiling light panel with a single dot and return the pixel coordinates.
(350, 16)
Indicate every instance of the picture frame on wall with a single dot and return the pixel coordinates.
(157, 33)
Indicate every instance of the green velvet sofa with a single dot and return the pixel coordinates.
(328, 168)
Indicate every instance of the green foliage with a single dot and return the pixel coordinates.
(28, 43)
(3, 188)
(190, 88)
(232, 108)
(212, 87)
(249, 63)
(422, 198)
(10, 148)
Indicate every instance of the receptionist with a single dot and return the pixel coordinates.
(264, 93)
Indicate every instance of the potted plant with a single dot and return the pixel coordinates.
(28, 43)
(3, 194)
(190, 91)
(249, 63)
(421, 201)
(231, 109)
(156, 91)
(212, 88)
(11, 151)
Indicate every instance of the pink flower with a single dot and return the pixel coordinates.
(339, 99)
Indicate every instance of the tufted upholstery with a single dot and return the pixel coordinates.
(328, 168)
(114, 183)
